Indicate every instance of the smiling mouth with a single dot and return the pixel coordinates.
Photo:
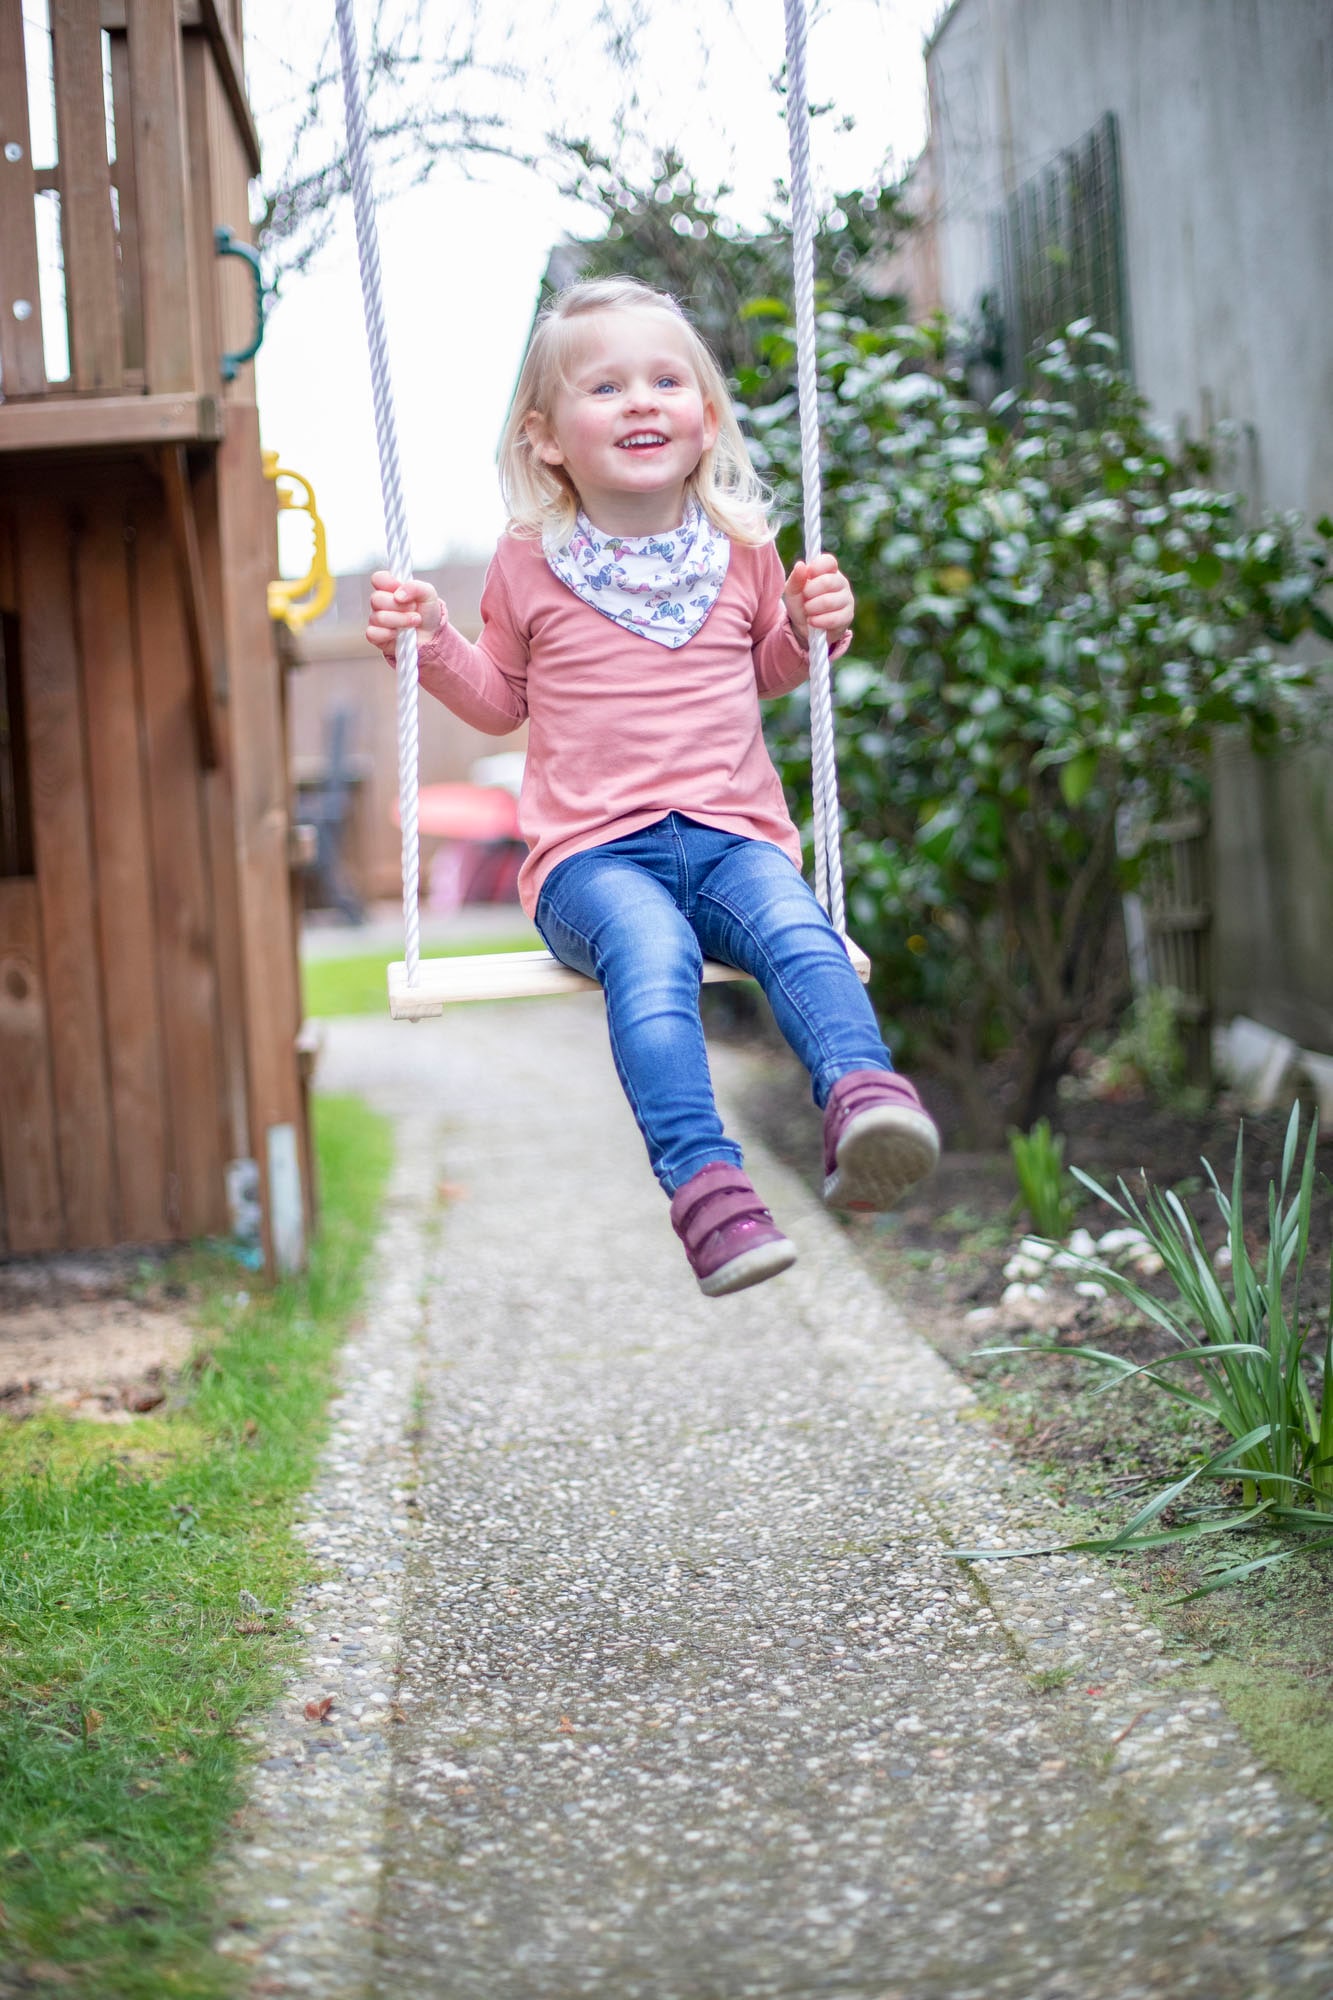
(641, 441)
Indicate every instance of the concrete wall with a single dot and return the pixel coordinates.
(1225, 111)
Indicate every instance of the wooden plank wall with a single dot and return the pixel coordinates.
(64, 855)
(139, 311)
(31, 1212)
(149, 986)
(115, 1115)
(126, 918)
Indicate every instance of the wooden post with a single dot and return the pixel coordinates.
(20, 303)
(196, 62)
(219, 151)
(221, 835)
(185, 540)
(260, 792)
(182, 890)
(92, 284)
(161, 178)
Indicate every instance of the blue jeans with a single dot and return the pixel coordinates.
(642, 913)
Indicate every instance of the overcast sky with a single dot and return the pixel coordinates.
(462, 257)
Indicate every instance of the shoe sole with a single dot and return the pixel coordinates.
(880, 1155)
(750, 1268)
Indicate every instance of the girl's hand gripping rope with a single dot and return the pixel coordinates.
(394, 606)
(819, 595)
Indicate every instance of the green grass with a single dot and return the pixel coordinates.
(1265, 1644)
(124, 1673)
(334, 986)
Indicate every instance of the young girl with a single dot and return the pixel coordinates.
(634, 614)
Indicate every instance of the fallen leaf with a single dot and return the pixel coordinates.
(450, 1191)
(250, 1630)
(397, 1715)
(144, 1398)
(566, 1726)
(317, 1711)
(92, 1720)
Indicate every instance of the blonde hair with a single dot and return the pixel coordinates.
(542, 499)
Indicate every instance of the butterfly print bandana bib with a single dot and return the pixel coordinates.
(660, 586)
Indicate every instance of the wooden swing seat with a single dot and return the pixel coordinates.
(518, 975)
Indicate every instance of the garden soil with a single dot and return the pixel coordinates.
(99, 1335)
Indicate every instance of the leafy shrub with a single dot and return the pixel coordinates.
(1149, 1046)
(1055, 614)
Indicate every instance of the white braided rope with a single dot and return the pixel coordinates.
(824, 779)
(395, 512)
(823, 754)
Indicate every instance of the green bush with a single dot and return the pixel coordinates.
(1055, 614)
(1148, 1046)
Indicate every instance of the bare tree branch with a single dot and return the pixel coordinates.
(462, 85)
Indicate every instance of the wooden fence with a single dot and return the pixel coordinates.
(149, 111)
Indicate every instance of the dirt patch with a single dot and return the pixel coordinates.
(100, 1336)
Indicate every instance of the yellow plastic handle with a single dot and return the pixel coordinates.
(317, 586)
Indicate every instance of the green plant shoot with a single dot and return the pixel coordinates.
(1044, 1186)
(1241, 1362)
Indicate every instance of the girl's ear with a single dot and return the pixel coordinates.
(711, 426)
(542, 439)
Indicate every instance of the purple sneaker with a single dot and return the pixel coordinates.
(730, 1238)
(877, 1140)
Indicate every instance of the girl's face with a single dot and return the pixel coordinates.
(630, 424)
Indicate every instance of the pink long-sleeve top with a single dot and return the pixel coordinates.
(622, 730)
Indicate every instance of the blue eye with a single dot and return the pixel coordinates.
(668, 382)
(605, 389)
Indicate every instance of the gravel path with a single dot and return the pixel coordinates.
(694, 1703)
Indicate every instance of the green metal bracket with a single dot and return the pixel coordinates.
(226, 245)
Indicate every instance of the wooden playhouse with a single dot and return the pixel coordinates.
(150, 1064)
